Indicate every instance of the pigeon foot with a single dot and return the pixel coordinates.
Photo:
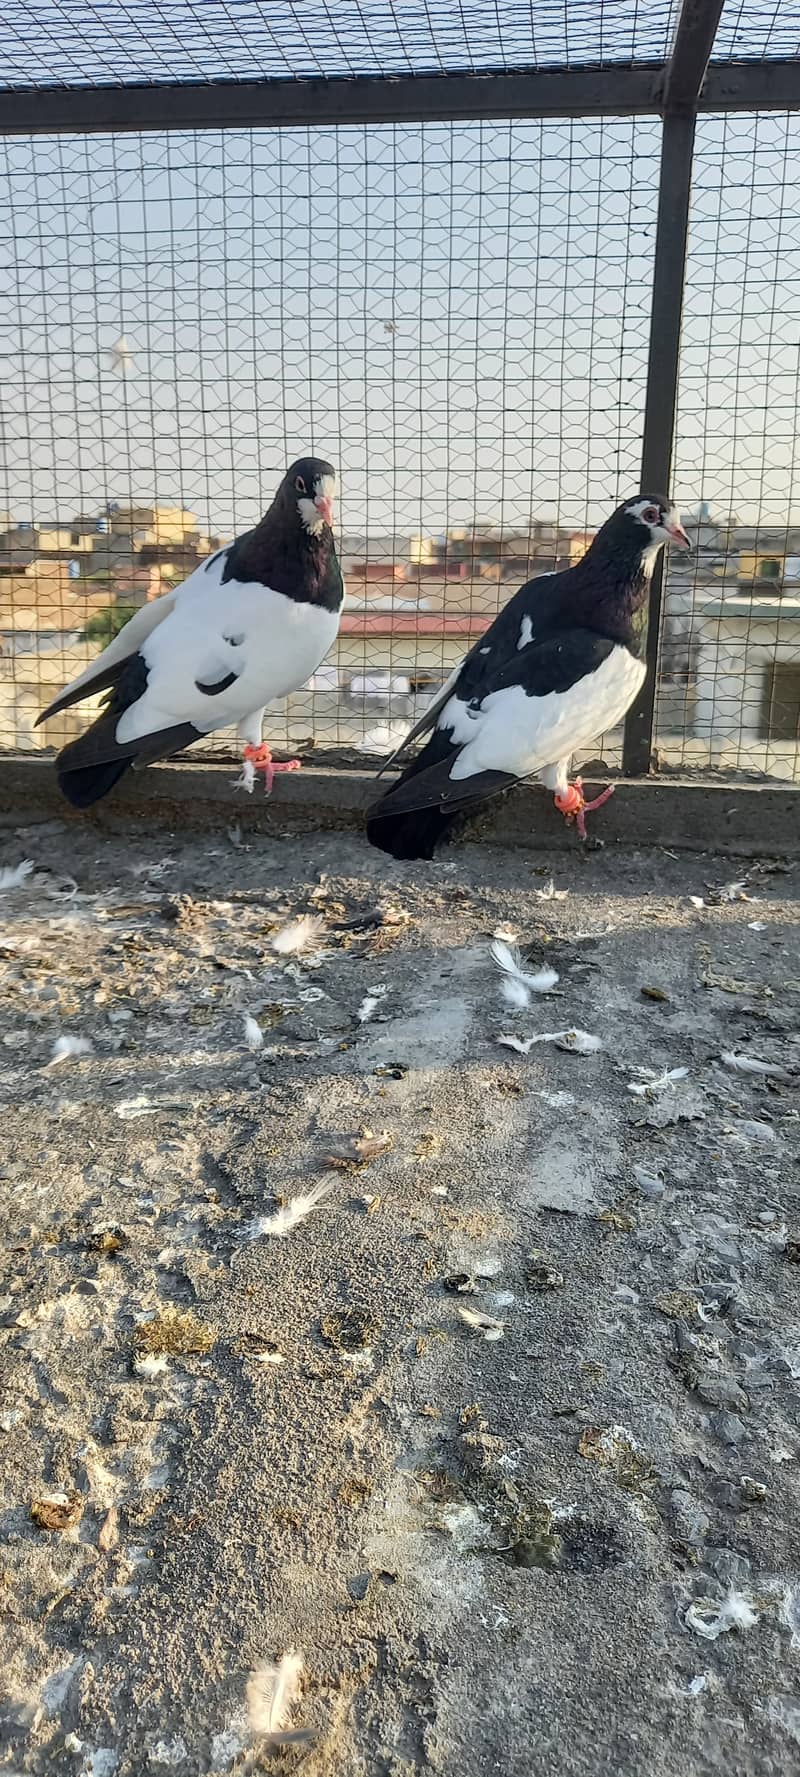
(260, 759)
(574, 807)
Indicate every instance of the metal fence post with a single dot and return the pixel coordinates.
(683, 81)
(662, 392)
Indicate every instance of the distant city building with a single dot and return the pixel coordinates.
(729, 668)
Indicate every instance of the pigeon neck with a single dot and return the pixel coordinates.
(290, 560)
(614, 582)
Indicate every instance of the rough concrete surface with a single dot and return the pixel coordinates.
(569, 1546)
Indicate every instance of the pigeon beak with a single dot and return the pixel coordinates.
(677, 535)
(324, 507)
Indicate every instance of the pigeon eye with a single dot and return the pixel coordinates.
(300, 484)
(651, 515)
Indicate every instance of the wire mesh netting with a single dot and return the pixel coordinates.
(66, 42)
(729, 693)
(456, 315)
(754, 30)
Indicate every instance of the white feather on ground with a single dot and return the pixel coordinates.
(650, 1083)
(519, 983)
(577, 1042)
(290, 1214)
(299, 936)
(253, 1034)
(709, 1618)
(370, 1003)
(66, 1047)
(150, 1365)
(272, 1692)
(485, 1324)
(13, 876)
(748, 1064)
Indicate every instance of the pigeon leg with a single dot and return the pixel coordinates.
(260, 759)
(574, 807)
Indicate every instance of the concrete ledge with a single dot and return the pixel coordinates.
(744, 820)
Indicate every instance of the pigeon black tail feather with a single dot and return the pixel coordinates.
(87, 784)
(87, 768)
(412, 835)
(425, 807)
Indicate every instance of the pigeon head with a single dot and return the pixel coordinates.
(310, 484)
(653, 520)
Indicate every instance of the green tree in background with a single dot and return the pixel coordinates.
(105, 625)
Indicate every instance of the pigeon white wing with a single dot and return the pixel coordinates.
(222, 653)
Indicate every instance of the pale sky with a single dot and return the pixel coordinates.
(456, 315)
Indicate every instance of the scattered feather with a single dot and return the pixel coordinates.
(64, 1048)
(515, 993)
(576, 1042)
(119, 357)
(729, 891)
(129, 1109)
(650, 1083)
(756, 925)
(710, 1619)
(695, 1685)
(60, 888)
(253, 1034)
(272, 1693)
(550, 892)
(370, 1002)
(519, 984)
(697, 900)
(247, 777)
(484, 1324)
(749, 1064)
(289, 1215)
(13, 876)
(150, 1366)
(301, 935)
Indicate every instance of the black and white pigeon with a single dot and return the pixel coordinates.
(559, 666)
(250, 624)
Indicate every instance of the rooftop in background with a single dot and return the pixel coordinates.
(193, 41)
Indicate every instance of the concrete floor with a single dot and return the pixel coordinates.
(572, 1548)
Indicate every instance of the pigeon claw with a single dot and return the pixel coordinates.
(574, 807)
(260, 759)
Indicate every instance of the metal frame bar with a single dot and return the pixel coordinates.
(683, 83)
(415, 98)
